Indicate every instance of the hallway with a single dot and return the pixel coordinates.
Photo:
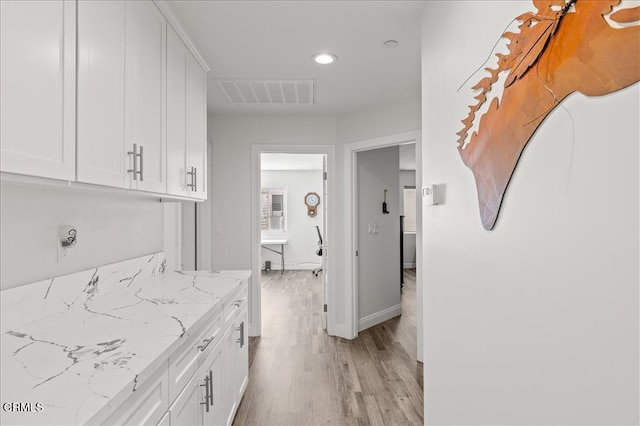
(300, 376)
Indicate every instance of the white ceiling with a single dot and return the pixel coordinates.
(274, 40)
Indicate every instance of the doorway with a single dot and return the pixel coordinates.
(351, 226)
(280, 233)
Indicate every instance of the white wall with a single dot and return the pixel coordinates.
(535, 322)
(111, 228)
(302, 237)
(379, 251)
(397, 117)
(232, 137)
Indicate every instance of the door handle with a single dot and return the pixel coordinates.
(193, 185)
(241, 330)
(205, 343)
(207, 396)
(135, 161)
(211, 387)
(141, 168)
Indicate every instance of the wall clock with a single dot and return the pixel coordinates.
(312, 200)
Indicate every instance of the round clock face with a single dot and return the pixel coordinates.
(312, 199)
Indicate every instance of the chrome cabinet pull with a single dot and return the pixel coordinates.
(192, 175)
(207, 396)
(195, 178)
(211, 387)
(135, 161)
(241, 330)
(141, 169)
(205, 343)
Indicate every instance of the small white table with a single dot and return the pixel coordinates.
(272, 242)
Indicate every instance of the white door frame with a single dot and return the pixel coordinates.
(255, 320)
(350, 228)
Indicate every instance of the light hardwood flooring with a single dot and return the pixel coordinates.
(300, 376)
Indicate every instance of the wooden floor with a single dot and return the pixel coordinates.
(300, 376)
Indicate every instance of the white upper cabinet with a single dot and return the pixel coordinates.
(196, 128)
(176, 115)
(102, 151)
(121, 94)
(37, 99)
(145, 88)
(132, 116)
(186, 121)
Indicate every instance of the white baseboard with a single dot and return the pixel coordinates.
(340, 330)
(409, 265)
(307, 267)
(378, 317)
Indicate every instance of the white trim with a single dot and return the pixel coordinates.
(350, 213)
(378, 317)
(177, 26)
(409, 265)
(254, 286)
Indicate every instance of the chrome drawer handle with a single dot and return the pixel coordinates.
(208, 397)
(205, 343)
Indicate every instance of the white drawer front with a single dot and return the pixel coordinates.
(185, 360)
(235, 305)
(147, 405)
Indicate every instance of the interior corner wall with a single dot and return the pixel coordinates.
(408, 178)
(535, 322)
(111, 228)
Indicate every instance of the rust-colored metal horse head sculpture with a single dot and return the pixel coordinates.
(567, 46)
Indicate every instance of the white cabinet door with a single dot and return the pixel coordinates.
(242, 356)
(176, 114)
(102, 151)
(236, 364)
(213, 368)
(37, 96)
(196, 128)
(186, 121)
(186, 409)
(230, 399)
(145, 91)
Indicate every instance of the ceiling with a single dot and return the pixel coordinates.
(274, 40)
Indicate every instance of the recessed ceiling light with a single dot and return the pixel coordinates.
(324, 58)
(390, 44)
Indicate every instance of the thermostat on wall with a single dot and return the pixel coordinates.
(429, 195)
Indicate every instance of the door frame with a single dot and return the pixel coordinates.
(350, 226)
(255, 299)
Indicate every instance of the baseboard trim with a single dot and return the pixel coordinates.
(378, 317)
(409, 265)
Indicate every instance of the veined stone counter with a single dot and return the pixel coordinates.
(74, 348)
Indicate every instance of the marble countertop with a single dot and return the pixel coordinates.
(81, 361)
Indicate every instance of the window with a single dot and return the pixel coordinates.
(274, 209)
(409, 209)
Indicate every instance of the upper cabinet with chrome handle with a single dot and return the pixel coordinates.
(186, 121)
(121, 94)
(125, 74)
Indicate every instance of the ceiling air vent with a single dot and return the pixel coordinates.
(274, 92)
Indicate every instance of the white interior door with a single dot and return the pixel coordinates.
(325, 265)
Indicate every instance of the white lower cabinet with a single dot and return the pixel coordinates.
(236, 364)
(203, 380)
(149, 404)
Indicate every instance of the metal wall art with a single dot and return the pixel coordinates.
(567, 46)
